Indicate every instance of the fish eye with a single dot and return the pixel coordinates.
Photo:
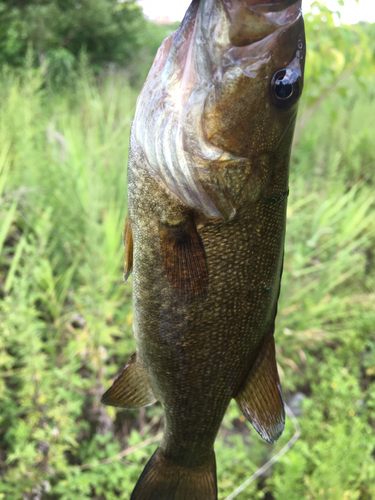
(285, 88)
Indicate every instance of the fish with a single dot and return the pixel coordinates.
(207, 192)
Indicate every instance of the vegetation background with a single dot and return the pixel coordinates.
(70, 73)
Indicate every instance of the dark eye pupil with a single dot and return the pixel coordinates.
(283, 87)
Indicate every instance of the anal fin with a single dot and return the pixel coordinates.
(127, 239)
(131, 389)
(260, 398)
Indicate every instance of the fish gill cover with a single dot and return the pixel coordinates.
(182, 122)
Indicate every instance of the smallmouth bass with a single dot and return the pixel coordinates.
(204, 237)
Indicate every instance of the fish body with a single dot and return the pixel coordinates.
(207, 192)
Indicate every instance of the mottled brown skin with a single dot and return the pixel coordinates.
(198, 352)
(205, 290)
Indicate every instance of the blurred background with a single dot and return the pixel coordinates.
(70, 72)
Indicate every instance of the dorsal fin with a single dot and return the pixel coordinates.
(184, 258)
(131, 389)
(260, 398)
(127, 240)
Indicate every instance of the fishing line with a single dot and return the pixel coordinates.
(274, 459)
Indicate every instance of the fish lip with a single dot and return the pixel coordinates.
(289, 7)
(270, 5)
(285, 9)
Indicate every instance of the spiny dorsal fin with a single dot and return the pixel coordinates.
(184, 258)
(127, 239)
(131, 389)
(261, 399)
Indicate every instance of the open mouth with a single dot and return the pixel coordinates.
(253, 20)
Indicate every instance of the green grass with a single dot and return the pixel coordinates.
(66, 316)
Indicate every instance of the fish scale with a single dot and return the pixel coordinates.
(205, 231)
(197, 323)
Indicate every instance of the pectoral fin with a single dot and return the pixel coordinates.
(131, 389)
(184, 258)
(127, 239)
(217, 189)
(260, 398)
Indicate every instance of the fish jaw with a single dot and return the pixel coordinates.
(206, 106)
(240, 115)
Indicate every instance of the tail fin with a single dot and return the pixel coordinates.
(163, 480)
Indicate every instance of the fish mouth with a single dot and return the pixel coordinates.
(254, 20)
(224, 50)
(225, 25)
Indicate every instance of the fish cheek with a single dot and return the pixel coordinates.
(243, 120)
(239, 115)
(184, 258)
(229, 113)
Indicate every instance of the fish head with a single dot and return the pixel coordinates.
(257, 75)
(222, 93)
